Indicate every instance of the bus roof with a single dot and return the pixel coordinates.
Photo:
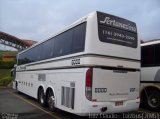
(152, 42)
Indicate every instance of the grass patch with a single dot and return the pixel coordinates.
(5, 77)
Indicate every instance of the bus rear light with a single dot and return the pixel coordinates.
(89, 75)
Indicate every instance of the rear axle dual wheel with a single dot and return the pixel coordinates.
(51, 101)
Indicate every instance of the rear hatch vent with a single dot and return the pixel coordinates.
(68, 96)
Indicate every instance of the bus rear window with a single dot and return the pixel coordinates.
(116, 30)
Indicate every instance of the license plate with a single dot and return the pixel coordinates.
(119, 103)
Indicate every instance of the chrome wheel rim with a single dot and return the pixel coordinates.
(51, 102)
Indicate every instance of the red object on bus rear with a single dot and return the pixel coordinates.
(89, 78)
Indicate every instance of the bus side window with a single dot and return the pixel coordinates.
(157, 54)
(79, 38)
(147, 56)
(48, 49)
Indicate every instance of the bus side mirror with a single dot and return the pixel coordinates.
(15, 65)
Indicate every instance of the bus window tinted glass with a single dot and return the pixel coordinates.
(69, 42)
(48, 49)
(63, 43)
(59, 45)
(38, 52)
(79, 38)
(33, 55)
(157, 54)
(26, 58)
(29, 56)
(116, 33)
(20, 59)
(147, 56)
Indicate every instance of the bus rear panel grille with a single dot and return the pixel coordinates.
(67, 97)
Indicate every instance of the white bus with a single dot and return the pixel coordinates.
(150, 75)
(92, 66)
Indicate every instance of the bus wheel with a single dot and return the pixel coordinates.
(41, 97)
(153, 100)
(51, 101)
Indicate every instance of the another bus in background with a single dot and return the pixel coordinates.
(150, 75)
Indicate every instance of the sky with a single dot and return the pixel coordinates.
(39, 19)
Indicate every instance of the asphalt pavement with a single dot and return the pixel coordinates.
(15, 105)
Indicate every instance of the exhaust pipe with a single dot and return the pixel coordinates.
(103, 109)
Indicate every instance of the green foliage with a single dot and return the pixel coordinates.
(5, 77)
(7, 65)
(5, 82)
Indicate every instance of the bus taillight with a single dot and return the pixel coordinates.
(89, 77)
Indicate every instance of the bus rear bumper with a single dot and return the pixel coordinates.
(109, 107)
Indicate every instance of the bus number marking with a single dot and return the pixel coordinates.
(75, 61)
(100, 90)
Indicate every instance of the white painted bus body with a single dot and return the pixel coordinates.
(60, 72)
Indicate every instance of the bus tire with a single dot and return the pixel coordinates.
(51, 101)
(152, 100)
(41, 97)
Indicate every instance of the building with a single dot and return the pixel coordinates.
(7, 57)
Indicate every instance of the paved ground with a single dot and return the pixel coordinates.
(17, 106)
(14, 105)
(21, 106)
